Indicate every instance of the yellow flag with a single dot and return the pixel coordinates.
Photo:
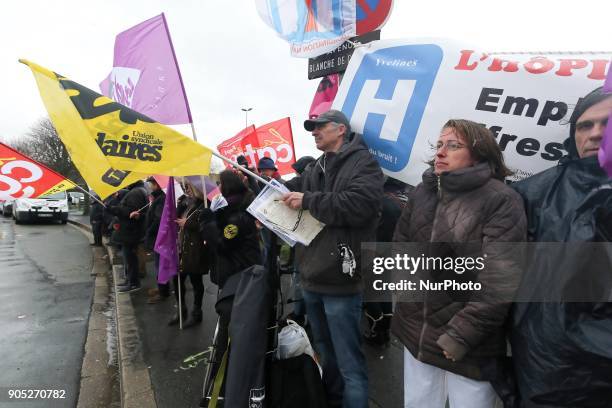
(111, 144)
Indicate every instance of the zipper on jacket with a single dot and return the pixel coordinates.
(439, 188)
(422, 336)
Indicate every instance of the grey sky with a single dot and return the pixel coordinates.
(230, 59)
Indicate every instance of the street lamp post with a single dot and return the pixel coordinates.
(246, 115)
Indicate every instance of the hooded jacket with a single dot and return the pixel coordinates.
(562, 352)
(231, 234)
(462, 206)
(193, 254)
(131, 230)
(343, 190)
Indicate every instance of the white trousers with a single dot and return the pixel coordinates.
(426, 386)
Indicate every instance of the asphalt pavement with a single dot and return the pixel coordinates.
(46, 293)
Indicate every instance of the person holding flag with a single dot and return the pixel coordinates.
(194, 258)
(153, 218)
(130, 232)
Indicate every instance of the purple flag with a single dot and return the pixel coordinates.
(605, 150)
(167, 237)
(145, 75)
(608, 84)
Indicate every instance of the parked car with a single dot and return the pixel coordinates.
(76, 198)
(6, 208)
(51, 207)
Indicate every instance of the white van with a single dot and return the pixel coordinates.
(51, 207)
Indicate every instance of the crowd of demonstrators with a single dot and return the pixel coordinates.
(462, 199)
(130, 231)
(152, 220)
(343, 190)
(194, 256)
(562, 351)
(453, 348)
(378, 314)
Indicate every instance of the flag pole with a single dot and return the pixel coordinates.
(247, 171)
(180, 306)
(87, 192)
(202, 180)
(178, 70)
(54, 172)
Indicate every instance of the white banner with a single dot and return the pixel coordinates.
(399, 94)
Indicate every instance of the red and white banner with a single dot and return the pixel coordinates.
(273, 140)
(22, 177)
(399, 93)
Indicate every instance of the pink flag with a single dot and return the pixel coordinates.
(162, 181)
(167, 238)
(323, 99)
(605, 150)
(145, 75)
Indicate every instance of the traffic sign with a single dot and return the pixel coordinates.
(372, 14)
(337, 60)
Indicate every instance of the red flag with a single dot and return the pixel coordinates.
(232, 148)
(274, 140)
(22, 177)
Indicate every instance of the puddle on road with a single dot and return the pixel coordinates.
(111, 327)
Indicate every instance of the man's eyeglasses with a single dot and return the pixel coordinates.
(451, 145)
(589, 124)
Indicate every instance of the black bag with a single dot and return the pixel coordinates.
(248, 331)
(295, 383)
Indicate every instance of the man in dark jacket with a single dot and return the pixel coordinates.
(562, 350)
(154, 213)
(96, 219)
(342, 190)
(131, 232)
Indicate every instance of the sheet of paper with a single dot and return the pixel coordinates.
(291, 225)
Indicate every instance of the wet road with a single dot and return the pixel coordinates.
(45, 296)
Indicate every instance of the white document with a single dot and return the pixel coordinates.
(290, 225)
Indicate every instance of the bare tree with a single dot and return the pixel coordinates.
(43, 144)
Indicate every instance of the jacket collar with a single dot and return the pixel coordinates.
(352, 144)
(465, 179)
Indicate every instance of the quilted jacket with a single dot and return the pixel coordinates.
(465, 205)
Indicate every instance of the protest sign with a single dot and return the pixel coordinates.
(400, 93)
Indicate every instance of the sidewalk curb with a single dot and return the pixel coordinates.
(97, 387)
(134, 378)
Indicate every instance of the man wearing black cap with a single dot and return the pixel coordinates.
(343, 190)
(562, 351)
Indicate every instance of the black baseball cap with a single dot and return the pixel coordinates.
(330, 116)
